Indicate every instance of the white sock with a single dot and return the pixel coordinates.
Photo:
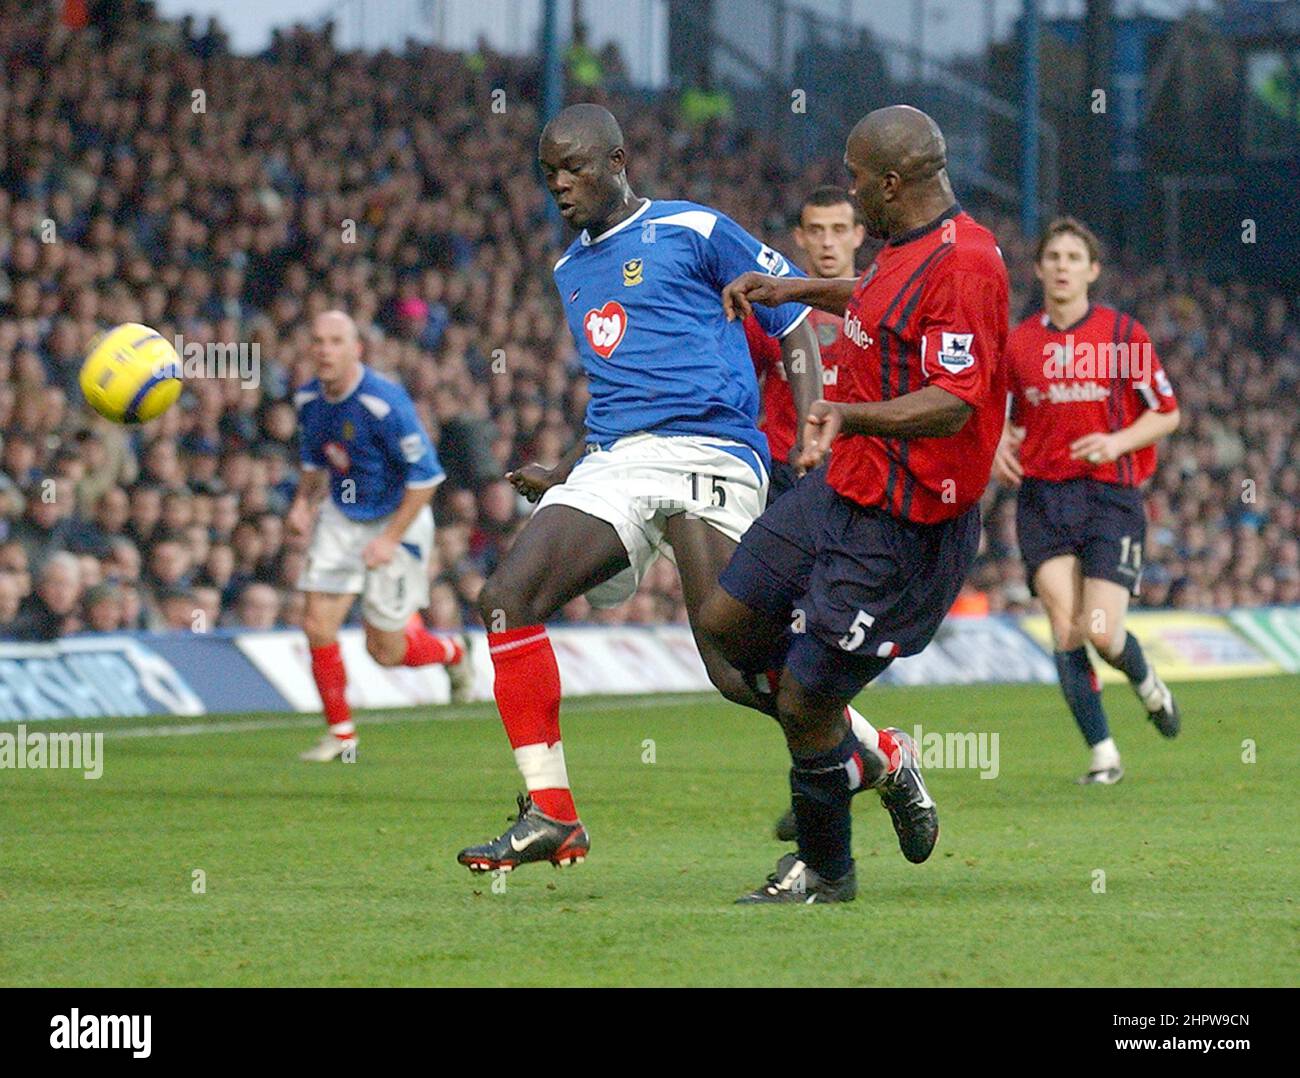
(866, 733)
(1150, 692)
(1104, 755)
(542, 766)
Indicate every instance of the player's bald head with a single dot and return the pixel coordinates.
(588, 126)
(336, 349)
(902, 139)
(899, 161)
(585, 165)
(335, 323)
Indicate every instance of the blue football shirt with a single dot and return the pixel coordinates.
(371, 441)
(644, 304)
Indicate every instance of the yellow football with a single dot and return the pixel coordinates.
(132, 374)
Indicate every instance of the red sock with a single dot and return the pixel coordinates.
(527, 691)
(423, 648)
(889, 748)
(332, 683)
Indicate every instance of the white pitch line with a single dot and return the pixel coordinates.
(441, 713)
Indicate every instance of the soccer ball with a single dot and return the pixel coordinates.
(132, 374)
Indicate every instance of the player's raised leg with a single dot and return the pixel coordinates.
(1106, 603)
(322, 618)
(530, 585)
(1059, 584)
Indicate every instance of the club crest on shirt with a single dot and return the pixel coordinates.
(349, 430)
(954, 352)
(338, 456)
(605, 328)
(633, 272)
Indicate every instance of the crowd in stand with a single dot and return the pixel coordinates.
(152, 177)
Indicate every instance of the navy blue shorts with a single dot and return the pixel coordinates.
(783, 479)
(857, 585)
(1101, 524)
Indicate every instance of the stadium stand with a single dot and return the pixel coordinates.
(148, 175)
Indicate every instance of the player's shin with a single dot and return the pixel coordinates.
(1132, 663)
(1082, 692)
(527, 690)
(822, 785)
(332, 684)
(1146, 683)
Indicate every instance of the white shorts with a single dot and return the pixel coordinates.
(643, 479)
(391, 593)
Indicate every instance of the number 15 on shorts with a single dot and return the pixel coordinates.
(717, 493)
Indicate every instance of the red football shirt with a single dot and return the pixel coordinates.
(779, 420)
(1099, 374)
(931, 310)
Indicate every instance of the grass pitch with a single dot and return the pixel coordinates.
(346, 875)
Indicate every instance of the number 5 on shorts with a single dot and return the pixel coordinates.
(852, 640)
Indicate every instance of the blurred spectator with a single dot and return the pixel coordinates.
(53, 609)
(258, 608)
(11, 597)
(176, 607)
(103, 607)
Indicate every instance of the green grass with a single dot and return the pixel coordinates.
(346, 874)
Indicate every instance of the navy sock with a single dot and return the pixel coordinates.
(1082, 693)
(822, 788)
(1130, 661)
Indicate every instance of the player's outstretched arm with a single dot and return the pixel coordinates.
(929, 412)
(534, 480)
(829, 294)
(802, 358)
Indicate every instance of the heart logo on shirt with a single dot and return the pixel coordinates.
(605, 328)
